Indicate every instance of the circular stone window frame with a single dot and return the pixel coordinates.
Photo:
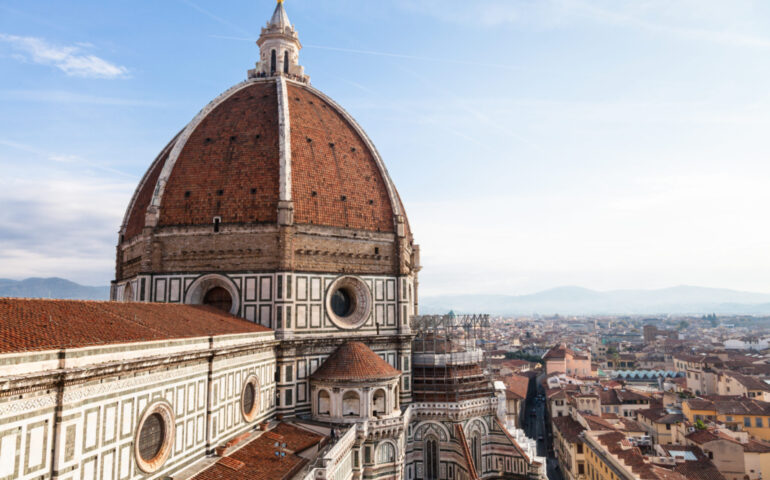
(198, 289)
(361, 297)
(166, 412)
(251, 416)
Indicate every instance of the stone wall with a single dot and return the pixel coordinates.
(84, 406)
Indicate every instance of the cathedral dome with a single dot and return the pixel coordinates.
(271, 177)
(266, 145)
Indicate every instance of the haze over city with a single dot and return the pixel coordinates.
(602, 144)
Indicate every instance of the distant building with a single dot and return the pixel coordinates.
(560, 359)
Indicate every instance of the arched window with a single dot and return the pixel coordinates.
(351, 404)
(324, 402)
(386, 453)
(476, 451)
(272, 63)
(431, 458)
(286, 62)
(378, 402)
(218, 298)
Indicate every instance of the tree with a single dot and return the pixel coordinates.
(683, 324)
(523, 356)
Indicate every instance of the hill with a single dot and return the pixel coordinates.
(582, 301)
(51, 288)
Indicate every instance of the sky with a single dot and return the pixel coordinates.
(610, 144)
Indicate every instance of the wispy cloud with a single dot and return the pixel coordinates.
(73, 60)
(60, 217)
(216, 18)
(60, 158)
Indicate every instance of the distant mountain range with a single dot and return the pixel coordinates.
(561, 300)
(582, 301)
(51, 288)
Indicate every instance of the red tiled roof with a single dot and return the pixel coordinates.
(36, 324)
(516, 385)
(354, 361)
(756, 446)
(569, 428)
(704, 436)
(257, 459)
(615, 396)
(229, 166)
(333, 163)
(597, 423)
(466, 452)
(699, 469)
(661, 415)
(730, 405)
(617, 444)
(234, 149)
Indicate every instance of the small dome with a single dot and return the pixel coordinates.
(354, 361)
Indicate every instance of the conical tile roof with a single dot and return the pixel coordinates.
(354, 361)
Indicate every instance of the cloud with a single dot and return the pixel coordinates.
(216, 18)
(72, 60)
(60, 222)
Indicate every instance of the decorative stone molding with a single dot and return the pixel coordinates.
(200, 286)
(360, 297)
(250, 416)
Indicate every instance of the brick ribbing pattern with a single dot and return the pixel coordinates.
(233, 150)
(331, 161)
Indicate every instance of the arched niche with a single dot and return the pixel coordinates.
(214, 289)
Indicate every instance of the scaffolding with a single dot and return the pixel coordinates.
(448, 358)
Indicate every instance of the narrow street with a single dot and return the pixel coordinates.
(536, 428)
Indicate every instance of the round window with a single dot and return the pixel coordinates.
(151, 437)
(250, 399)
(154, 437)
(348, 302)
(342, 303)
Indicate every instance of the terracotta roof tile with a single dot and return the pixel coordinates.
(234, 149)
(257, 459)
(569, 428)
(516, 385)
(354, 361)
(37, 324)
(335, 180)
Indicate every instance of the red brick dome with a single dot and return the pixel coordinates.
(265, 148)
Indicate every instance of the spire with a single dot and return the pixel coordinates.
(279, 48)
(280, 18)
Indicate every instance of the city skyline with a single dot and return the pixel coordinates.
(572, 142)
